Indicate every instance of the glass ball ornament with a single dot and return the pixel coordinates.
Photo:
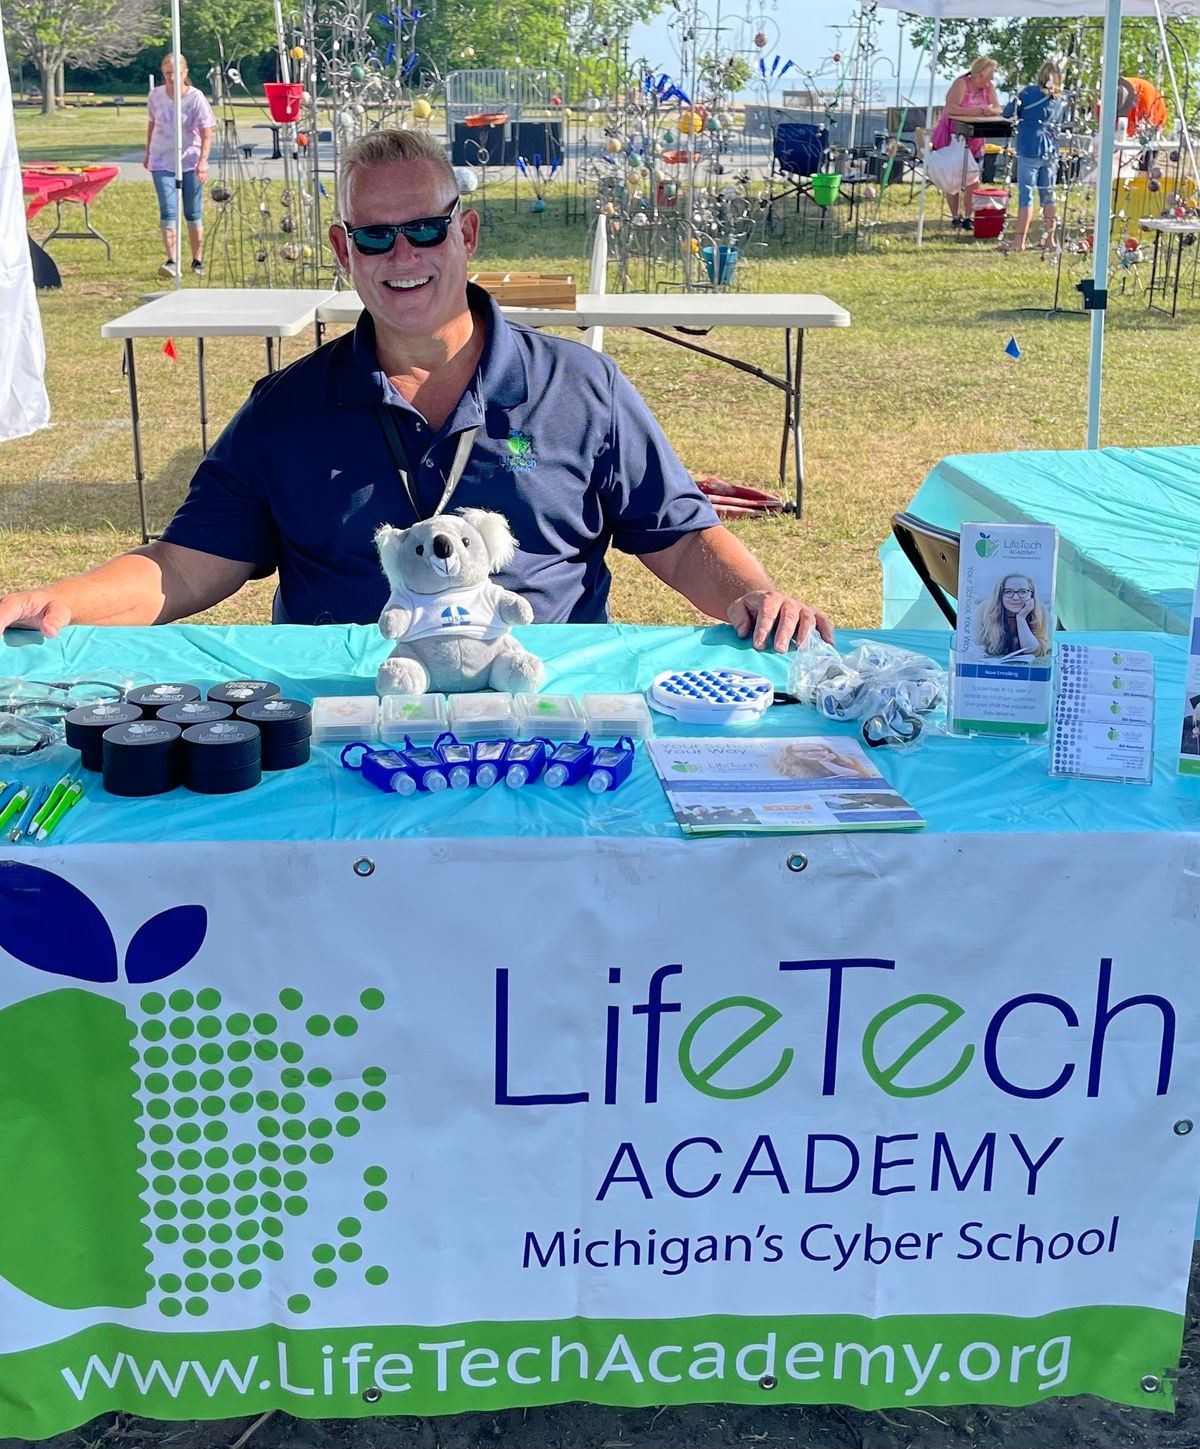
(641, 219)
(538, 204)
(357, 73)
(613, 146)
(306, 252)
(287, 223)
(290, 252)
(670, 190)
(260, 255)
(422, 110)
(1156, 172)
(668, 137)
(297, 52)
(1153, 185)
(285, 198)
(468, 52)
(592, 104)
(220, 193)
(712, 124)
(870, 193)
(760, 39)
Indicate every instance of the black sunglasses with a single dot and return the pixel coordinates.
(425, 231)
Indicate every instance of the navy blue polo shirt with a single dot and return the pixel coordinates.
(304, 475)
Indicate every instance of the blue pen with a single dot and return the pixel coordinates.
(10, 789)
(36, 801)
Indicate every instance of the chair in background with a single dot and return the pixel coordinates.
(799, 151)
(933, 553)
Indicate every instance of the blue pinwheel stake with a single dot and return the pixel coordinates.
(1011, 348)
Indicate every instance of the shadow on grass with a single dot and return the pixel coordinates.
(52, 505)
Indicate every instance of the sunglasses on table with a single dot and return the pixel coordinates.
(424, 231)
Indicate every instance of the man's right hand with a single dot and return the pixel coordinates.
(39, 609)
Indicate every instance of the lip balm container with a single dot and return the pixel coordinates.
(286, 729)
(84, 728)
(487, 761)
(572, 760)
(457, 759)
(222, 758)
(196, 711)
(150, 698)
(611, 765)
(237, 692)
(141, 758)
(525, 761)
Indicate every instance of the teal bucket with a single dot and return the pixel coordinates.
(720, 263)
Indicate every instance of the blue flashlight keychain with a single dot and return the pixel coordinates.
(611, 765)
(571, 762)
(487, 761)
(387, 770)
(525, 761)
(457, 759)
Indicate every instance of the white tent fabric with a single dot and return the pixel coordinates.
(1112, 11)
(24, 406)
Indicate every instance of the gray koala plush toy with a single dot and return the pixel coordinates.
(450, 623)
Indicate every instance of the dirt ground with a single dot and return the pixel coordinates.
(1082, 1422)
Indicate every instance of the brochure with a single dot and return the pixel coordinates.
(1000, 675)
(788, 785)
(1104, 715)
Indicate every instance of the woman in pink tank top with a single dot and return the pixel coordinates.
(971, 96)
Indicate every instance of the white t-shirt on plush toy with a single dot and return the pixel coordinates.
(469, 613)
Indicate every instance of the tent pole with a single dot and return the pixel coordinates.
(180, 219)
(933, 55)
(1110, 75)
(1181, 118)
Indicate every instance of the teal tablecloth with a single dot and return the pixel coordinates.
(1128, 522)
(958, 785)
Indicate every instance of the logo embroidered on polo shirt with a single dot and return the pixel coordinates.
(520, 452)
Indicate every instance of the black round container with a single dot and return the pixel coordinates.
(195, 712)
(222, 758)
(85, 728)
(150, 698)
(141, 758)
(286, 726)
(238, 692)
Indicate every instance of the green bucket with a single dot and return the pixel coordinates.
(825, 187)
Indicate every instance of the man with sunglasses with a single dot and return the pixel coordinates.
(435, 400)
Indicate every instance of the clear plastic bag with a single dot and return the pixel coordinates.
(892, 690)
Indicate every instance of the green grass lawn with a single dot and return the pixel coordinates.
(921, 373)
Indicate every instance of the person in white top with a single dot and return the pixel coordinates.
(198, 126)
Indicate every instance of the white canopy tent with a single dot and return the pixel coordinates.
(24, 406)
(1112, 11)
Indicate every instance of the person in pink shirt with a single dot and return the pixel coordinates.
(198, 126)
(971, 96)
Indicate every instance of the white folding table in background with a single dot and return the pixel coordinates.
(685, 312)
(269, 313)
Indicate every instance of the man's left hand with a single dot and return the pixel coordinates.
(201, 172)
(776, 620)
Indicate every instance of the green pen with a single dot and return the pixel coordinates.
(69, 797)
(52, 803)
(15, 805)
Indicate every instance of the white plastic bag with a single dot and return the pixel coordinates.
(952, 167)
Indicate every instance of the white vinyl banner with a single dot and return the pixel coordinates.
(24, 406)
(473, 1123)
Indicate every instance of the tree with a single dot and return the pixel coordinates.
(226, 29)
(1019, 48)
(53, 33)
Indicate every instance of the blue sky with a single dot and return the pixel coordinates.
(807, 32)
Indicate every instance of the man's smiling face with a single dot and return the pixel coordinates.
(408, 290)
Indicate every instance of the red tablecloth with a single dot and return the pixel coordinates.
(45, 183)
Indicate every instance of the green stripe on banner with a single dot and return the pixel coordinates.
(324, 1373)
(1189, 767)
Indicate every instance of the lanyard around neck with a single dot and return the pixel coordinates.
(395, 442)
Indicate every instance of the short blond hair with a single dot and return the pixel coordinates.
(980, 64)
(170, 56)
(384, 148)
(1050, 71)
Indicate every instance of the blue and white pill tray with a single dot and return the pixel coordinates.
(711, 696)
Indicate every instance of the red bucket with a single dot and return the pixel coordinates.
(988, 205)
(283, 100)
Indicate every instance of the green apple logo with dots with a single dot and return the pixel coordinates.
(197, 1131)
